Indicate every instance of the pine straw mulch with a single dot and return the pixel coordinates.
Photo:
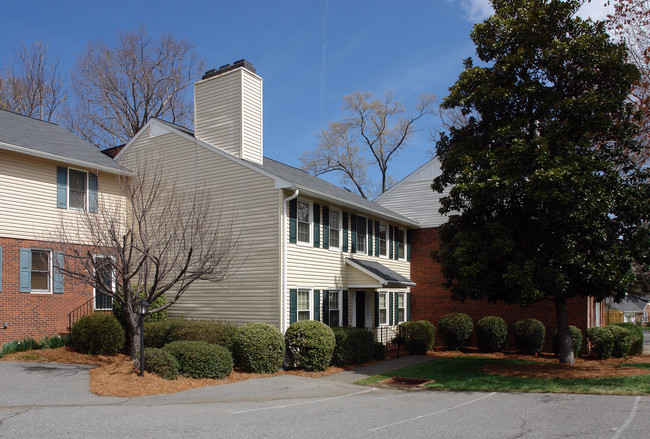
(116, 376)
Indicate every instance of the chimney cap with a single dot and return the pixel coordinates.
(228, 67)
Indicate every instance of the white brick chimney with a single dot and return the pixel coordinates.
(228, 110)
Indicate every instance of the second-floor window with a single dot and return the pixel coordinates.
(361, 234)
(304, 222)
(383, 244)
(401, 243)
(335, 229)
(77, 188)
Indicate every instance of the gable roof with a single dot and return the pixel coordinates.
(47, 140)
(630, 305)
(286, 177)
(387, 278)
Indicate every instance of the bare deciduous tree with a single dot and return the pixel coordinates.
(32, 85)
(159, 240)
(373, 130)
(118, 89)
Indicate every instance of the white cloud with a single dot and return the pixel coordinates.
(595, 9)
(476, 10)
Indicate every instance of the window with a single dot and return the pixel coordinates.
(383, 308)
(401, 243)
(334, 308)
(40, 271)
(304, 308)
(304, 222)
(361, 234)
(76, 190)
(335, 229)
(401, 307)
(383, 245)
(105, 278)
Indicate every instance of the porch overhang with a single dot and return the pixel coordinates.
(385, 277)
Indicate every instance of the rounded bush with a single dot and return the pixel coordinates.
(623, 339)
(259, 348)
(158, 334)
(576, 340)
(637, 344)
(378, 351)
(200, 359)
(602, 342)
(352, 346)
(97, 334)
(491, 333)
(529, 336)
(160, 362)
(309, 345)
(455, 330)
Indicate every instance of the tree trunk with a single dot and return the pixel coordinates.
(563, 333)
(132, 334)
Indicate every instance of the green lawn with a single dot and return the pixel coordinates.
(464, 374)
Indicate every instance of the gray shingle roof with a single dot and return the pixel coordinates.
(391, 278)
(630, 305)
(45, 139)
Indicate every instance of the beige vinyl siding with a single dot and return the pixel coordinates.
(28, 197)
(250, 202)
(252, 117)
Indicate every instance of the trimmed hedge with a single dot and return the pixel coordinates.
(637, 345)
(491, 333)
(309, 345)
(418, 336)
(97, 334)
(576, 340)
(378, 351)
(159, 334)
(259, 348)
(160, 362)
(529, 336)
(352, 346)
(455, 330)
(200, 359)
(623, 339)
(602, 342)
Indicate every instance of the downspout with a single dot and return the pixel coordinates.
(283, 302)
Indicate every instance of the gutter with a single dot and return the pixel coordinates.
(283, 296)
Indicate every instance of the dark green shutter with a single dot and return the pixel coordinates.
(408, 245)
(61, 187)
(326, 227)
(25, 270)
(391, 312)
(0, 269)
(390, 242)
(353, 221)
(293, 222)
(376, 309)
(345, 308)
(293, 306)
(326, 307)
(316, 225)
(93, 187)
(57, 275)
(317, 305)
(408, 306)
(345, 231)
(376, 238)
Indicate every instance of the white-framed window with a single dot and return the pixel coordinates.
(105, 275)
(383, 240)
(303, 303)
(304, 222)
(335, 308)
(335, 229)
(401, 307)
(41, 271)
(401, 244)
(362, 233)
(77, 189)
(383, 308)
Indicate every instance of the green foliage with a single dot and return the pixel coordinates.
(623, 339)
(455, 330)
(259, 348)
(155, 317)
(418, 336)
(529, 336)
(352, 346)
(576, 340)
(55, 341)
(97, 334)
(200, 359)
(491, 333)
(378, 351)
(309, 345)
(26, 344)
(158, 334)
(637, 344)
(161, 362)
(602, 342)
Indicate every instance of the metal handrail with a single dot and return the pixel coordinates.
(80, 311)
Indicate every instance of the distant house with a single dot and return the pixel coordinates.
(309, 250)
(46, 175)
(630, 310)
(430, 300)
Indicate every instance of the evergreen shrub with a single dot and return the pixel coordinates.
(259, 348)
(97, 334)
(200, 359)
(602, 342)
(623, 339)
(455, 330)
(352, 346)
(158, 334)
(491, 333)
(637, 345)
(160, 362)
(576, 340)
(309, 345)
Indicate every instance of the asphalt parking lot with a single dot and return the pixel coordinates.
(52, 401)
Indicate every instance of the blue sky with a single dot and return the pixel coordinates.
(310, 53)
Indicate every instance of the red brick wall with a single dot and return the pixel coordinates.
(431, 301)
(31, 314)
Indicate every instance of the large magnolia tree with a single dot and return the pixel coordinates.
(546, 201)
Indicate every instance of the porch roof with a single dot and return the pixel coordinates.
(386, 277)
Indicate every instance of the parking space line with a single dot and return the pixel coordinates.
(629, 419)
(304, 403)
